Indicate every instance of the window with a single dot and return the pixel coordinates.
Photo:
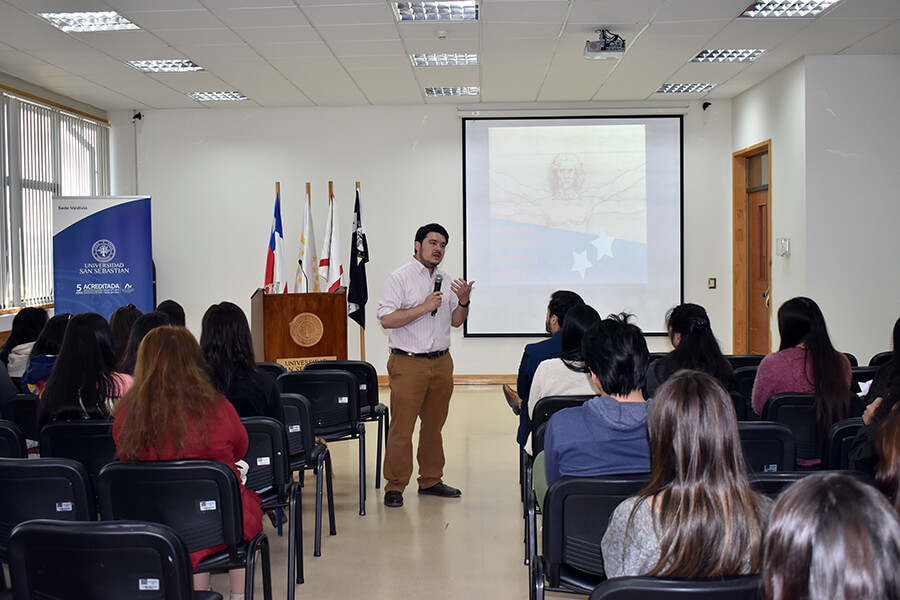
(44, 151)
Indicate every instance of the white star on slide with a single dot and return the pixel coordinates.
(603, 244)
(581, 262)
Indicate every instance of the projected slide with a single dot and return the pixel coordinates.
(591, 205)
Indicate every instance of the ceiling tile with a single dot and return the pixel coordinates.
(277, 35)
(383, 48)
(262, 17)
(349, 14)
(175, 19)
(347, 33)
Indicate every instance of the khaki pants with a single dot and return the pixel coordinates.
(420, 389)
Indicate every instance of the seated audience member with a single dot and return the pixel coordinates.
(695, 348)
(881, 398)
(83, 384)
(608, 433)
(698, 517)
(120, 323)
(228, 350)
(172, 412)
(566, 375)
(173, 311)
(806, 363)
(561, 301)
(887, 476)
(144, 324)
(43, 354)
(831, 536)
(26, 327)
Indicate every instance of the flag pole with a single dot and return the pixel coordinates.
(362, 331)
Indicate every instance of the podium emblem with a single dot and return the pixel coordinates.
(306, 329)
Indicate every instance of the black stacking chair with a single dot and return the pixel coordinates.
(199, 499)
(798, 412)
(370, 409)
(12, 442)
(744, 378)
(881, 358)
(768, 446)
(90, 442)
(744, 360)
(655, 356)
(270, 477)
(772, 484)
(744, 587)
(838, 442)
(307, 454)
(43, 488)
(22, 409)
(272, 368)
(334, 399)
(101, 561)
(860, 375)
(576, 514)
(852, 359)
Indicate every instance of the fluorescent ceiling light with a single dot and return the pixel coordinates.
(463, 10)
(217, 96)
(89, 21)
(787, 8)
(443, 60)
(685, 88)
(453, 91)
(166, 65)
(734, 55)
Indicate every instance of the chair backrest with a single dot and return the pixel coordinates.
(199, 499)
(860, 375)
(744, 360)
(744, 378)
(575, 516)
(273, 368)
(655, 356)
(43, 488)
(743, 587)
(365, 374)
(768, 446)
(852, 359)
(90, 442)
(798, 412)
(543, 410)
(101, 561)
(298, 423)
(12, 442)
(881, 358)
(22, 409)
(267, 455)
(333, 395)
(838, 442)
(772, 484)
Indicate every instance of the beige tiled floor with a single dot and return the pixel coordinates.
(431, 548)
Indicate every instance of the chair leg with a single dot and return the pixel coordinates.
(330, 489)
(297, 508)
(317, 549)
(378, 451)
(362, 470)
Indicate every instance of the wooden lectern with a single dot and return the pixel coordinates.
(297, 326)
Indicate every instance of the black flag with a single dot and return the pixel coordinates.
(358, 293)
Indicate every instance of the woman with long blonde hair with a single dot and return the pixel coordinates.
(172, 412)
(698, 517)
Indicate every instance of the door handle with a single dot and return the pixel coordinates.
(766, 296)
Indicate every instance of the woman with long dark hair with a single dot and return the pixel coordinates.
(142, 326)
(806, 363)
(173, 412)
(228, 349)
(698, 517)
(83, 384)
(120, 323)
(831, 536)
(695, 347)
(26, 327)
(43, 354)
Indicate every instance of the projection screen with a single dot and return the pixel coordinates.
(589, 204)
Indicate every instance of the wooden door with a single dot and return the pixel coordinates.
(758, 274)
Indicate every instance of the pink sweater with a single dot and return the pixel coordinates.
(786, 371)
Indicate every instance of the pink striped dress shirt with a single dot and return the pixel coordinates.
(407, 287)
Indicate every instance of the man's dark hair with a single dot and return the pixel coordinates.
(424, 230)
(560, 303)
(173, 311)
(616, 352)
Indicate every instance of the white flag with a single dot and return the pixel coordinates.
(331, 271)
(307, 279)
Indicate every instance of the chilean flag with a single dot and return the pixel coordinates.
(275, 283)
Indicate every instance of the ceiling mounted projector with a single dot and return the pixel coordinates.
(609, 46)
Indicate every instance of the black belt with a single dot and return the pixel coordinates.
(436, 354)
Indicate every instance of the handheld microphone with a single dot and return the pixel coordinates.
(438, 279)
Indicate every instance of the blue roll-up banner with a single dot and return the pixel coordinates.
(102, 254)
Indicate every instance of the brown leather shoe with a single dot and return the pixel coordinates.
(511, 399)
(441, 489)
(393, 499)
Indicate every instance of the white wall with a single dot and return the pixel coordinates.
(852, 216)
(212, 173)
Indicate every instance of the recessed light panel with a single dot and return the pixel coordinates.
(685, 88)
(786, 8)
(443, 60)
(80, 22)
(453, 91)
(217, 96)
(728, 56)
(169, 65)
(463, 10)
